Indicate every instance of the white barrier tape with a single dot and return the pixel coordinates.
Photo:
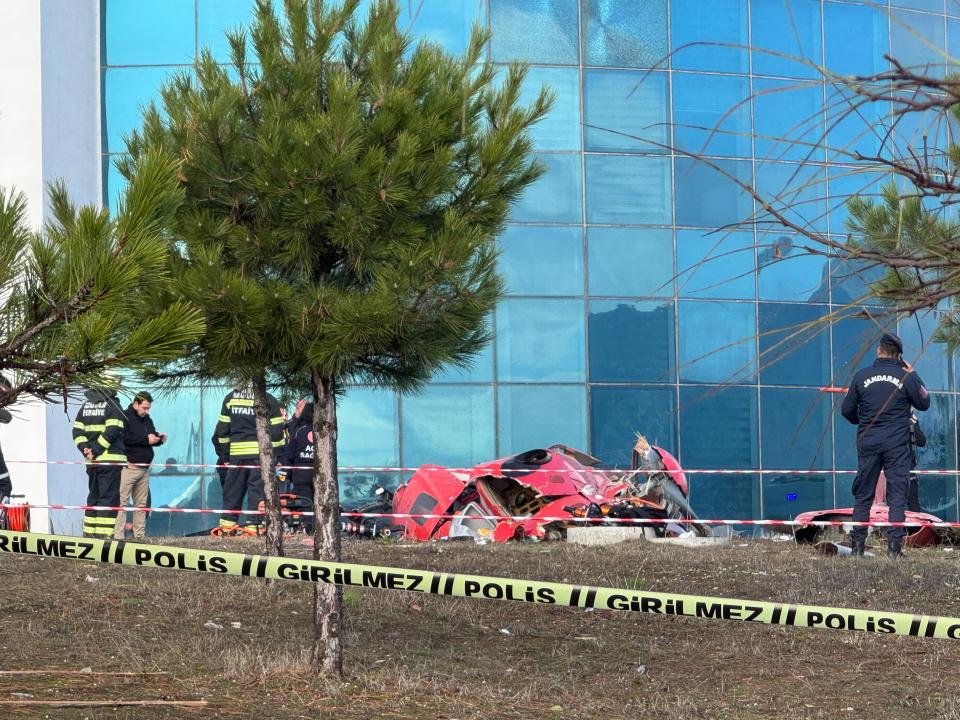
(511, 518)
(510, 471)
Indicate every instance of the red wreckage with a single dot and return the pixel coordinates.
(539, 493)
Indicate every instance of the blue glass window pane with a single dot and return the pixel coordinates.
(560, 129)
(717, 342)
(850, 282)
(787, 495)
(711, 114)
(445, 22)
(625, 33)
(367, 433)
(215, 18)
(938, 495)
(794, 344)
(624, 109)
(448, 425)
(854, 345)
(617, 413)
(939, 424)
(536, 31)
(795, 428)
(857, 52)
(539, 260)
(149, 32)
(845, 453)
(710, 21)
(480, 371)
(631, 342)
(628, 189)
(537, 416)
(555, 197)
(719, 428)
(788, 120)
(126, 92)
(917, 41)
(798, 192)
(953, 39)
(929, 358)
(788, 272)
(848, 182)
(716, 266)
(630, 262)
(792, 28)
(854, 126)
(795, 432)
(540, 341)
(114, 185)
(726, 497)
(710, 198)
(933, 5)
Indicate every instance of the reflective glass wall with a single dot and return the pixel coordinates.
(628, 309)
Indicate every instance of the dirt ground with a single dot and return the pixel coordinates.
(417, 656)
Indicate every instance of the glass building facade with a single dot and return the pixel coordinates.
(628, 310)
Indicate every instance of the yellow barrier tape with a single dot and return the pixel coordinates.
(478, 586)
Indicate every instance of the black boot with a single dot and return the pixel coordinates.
(858, 545)
(895, 551)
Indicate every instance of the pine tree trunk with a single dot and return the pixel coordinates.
(274, 520)
(326, 656)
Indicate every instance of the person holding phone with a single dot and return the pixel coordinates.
(880, 403)
(140, 437)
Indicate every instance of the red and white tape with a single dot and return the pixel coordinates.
(553, 471)
(497, 518)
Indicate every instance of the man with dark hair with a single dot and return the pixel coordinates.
(140, 436)
(880, 402)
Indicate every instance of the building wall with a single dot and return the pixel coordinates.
(628, 310)
(49, 129)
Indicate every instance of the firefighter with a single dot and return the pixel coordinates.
(236, 440)
(299, 454)
(6, 485)
(98, 434)
(879, 402)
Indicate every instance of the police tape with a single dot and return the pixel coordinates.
(478, 586)
(603, 520)
(478, 470)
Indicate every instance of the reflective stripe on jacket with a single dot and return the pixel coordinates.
(99, 426)
(235, 436)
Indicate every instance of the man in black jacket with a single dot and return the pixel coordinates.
(879, 403)
(140, 436)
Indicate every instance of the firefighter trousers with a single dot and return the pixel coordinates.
(104, 489)
(240, 482)
(896, 464)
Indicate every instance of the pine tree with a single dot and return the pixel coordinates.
(345, 189)
(87, 296)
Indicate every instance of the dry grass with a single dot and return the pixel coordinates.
(416, 656)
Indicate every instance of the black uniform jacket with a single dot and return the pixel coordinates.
(880, 401)
(135, 437)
